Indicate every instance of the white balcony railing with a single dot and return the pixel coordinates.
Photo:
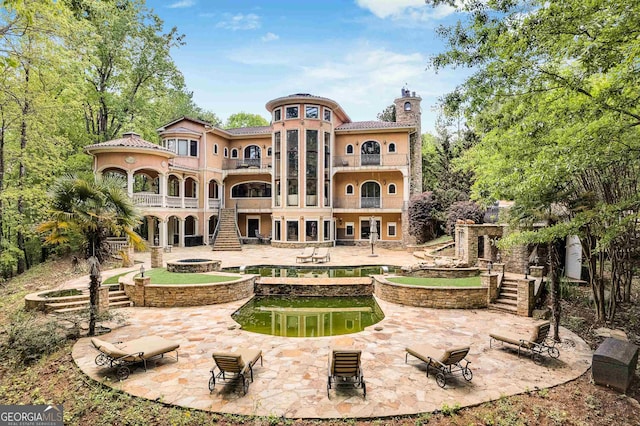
(147, 200)
(368, 203)
(213, 203)
(191, 203)
(175, 202)
(358, 160)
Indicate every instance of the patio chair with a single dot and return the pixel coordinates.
(322, 255)
(446, 363)
(234, 366)
(122, 355)
(537, 344)
(306, 255)
(345, 369)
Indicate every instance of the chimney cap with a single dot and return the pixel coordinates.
(130, 134)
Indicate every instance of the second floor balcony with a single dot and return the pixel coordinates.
(368, 203)
(242, 164)
(360, 160)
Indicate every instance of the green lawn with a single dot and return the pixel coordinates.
(161, 276)
(437, 282)
(114, 279)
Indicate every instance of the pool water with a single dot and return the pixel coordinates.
(312, 271)
(308, 316)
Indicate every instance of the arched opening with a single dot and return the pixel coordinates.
(214, 194)
(116, 174)
(252, 154)
(370, 153)
(251, 190)
(213, 222)
(146, 181)
(173, 230)
(370, 195)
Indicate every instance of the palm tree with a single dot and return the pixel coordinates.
(95, 208)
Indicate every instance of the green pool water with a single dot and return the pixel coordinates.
(302, 271)
(308, 316)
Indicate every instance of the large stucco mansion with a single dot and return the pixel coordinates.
(313, 177)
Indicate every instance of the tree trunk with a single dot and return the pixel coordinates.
(94, 284)
(22, 261)
(554, 288)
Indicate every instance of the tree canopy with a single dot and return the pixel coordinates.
(245, 119)
(554, 101)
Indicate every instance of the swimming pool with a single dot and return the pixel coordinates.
(308, 316)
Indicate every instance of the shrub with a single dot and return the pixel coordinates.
(463, 210)
(31, 336)
(423, 222)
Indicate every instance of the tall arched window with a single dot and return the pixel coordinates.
(370, 195)
(370, 153)
(407, 106)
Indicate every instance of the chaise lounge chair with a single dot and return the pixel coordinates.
(444, 362)
(234, 365)
(537, 344)
(306, 255)
(321, 256)
(345, 369)
(122, 355)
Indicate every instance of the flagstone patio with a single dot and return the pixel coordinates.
(292, 381)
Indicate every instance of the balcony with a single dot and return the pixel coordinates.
(253, 204)
(368, 203)
(213, 203)
(240, 165)
(147, 200)
(371, 160)
(190, 203)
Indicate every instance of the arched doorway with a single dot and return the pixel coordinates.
(370, 195)
(370, 153)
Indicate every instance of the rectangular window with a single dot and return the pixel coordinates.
(327, 230)
(365, 230)
(193, 148)
(391, 229)
(350, 229)
(327, 114)
(276, 232)
(292, 112)
(183, 147)
(311, 230)
(277, 115)
(292, 167)
(292, 231)
(311, 112)
(277, 155)
(327, 170)
(312, 168)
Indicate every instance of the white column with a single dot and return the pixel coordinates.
(163, 182)
(182, 186)
(164, 232)
(130, 183)
(181, 233)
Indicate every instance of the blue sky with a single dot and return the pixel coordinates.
(240, 54)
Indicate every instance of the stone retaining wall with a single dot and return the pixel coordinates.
(432, 272)
(313, 287)
(430, 297)
(161, 296)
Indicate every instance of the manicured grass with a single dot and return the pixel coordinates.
(437, 282)
(114, 279)
(161, 276)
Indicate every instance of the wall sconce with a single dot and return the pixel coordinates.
(301, 217)
(384, 142)
(527, 271)
(282, 124)
(356, 144)
(264, 147)
(384, 182)
(340, 221)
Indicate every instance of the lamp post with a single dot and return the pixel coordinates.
(527, 271)
(489, 267)
(142, 271)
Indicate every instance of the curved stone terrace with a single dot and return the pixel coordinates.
(292, 381)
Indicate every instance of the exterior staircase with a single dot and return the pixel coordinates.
(70, 304)
(227, 237)
(507, 300)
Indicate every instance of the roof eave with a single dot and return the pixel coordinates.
(129, 149)
(408, 129)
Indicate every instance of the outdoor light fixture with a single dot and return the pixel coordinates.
(142, 271)
(489, 267)
(527, 271)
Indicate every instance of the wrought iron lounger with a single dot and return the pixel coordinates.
(345, 369)
(322, 255)
(537, 344)
(445, 362)
(122, 355)
(235, 364)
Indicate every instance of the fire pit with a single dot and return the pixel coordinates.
(193, 265)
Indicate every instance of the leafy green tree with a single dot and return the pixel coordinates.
(245, 119)
(554, 103)
(96, 209)
(424, 224)
(389, 114)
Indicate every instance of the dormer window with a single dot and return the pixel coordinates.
(407, 106)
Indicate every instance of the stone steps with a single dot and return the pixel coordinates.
(227, 237)
(507, 300)
(117, 299)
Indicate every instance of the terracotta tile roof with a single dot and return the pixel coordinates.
(361, 125)
(181, 130)
(257, 130)
(128, 140)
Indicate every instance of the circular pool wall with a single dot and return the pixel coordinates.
(193, 265)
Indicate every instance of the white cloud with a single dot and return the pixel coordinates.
(181, 4)
(270, 37)
(414, 10)
(250, 21)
